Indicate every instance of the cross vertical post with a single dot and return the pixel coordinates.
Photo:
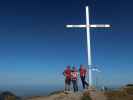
(88, 45)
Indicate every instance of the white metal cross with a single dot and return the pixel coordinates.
(88, 26)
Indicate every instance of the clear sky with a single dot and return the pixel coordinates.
(35, 46)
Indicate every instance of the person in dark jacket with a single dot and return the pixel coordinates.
(83, 73)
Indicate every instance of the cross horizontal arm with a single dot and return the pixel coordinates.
(76, 26)
(100, 25)
(91, 26)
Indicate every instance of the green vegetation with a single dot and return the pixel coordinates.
(8, 96)
(86, 96)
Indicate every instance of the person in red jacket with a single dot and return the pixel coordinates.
(83, 73)
(67, 74)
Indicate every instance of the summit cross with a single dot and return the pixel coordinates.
(88, 26)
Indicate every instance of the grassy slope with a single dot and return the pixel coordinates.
(125, 93)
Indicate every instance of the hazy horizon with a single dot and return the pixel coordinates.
(30, 90)
(41, 90)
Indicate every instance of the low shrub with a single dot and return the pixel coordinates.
(86, 96)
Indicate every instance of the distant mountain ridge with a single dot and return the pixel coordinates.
(6, 95)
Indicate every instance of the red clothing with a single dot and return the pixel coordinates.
(82, 71)
(68, 73)
(74, 75)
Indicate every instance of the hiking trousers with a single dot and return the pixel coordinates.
(75, 85)
(84, 83)
(67, 84)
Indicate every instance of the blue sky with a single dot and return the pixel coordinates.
(35, 46)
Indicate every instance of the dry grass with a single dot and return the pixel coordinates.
(128, 90)
(123, 94)
(56, 92)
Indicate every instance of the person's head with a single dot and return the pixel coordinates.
(68, 67)
(74, 68)
(81, 66)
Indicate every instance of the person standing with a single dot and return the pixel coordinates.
(67, 74)
(83, 73)
(74, 77)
